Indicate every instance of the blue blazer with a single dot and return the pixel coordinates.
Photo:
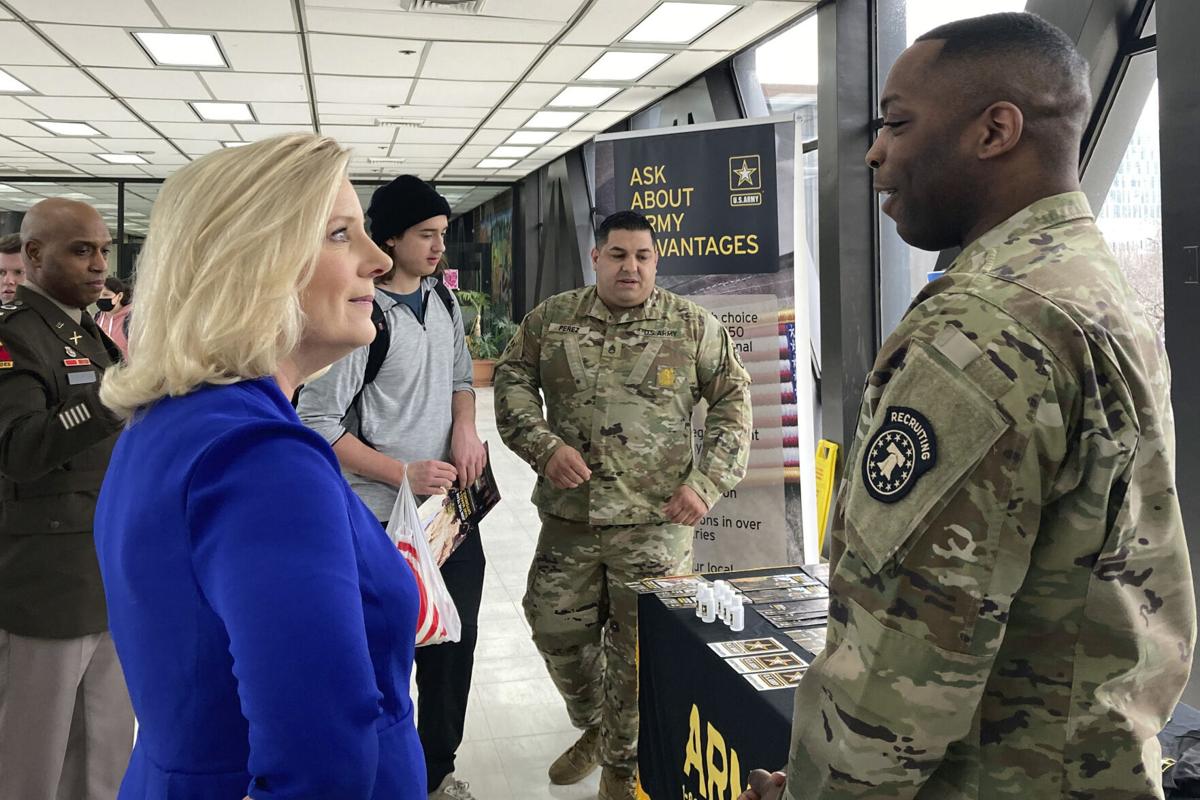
(263, 618)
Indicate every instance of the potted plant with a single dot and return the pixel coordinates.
(487, 334)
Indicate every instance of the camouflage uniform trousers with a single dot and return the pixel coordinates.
(584, 619)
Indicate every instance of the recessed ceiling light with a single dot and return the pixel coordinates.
(553, 119)
(679, 23)
(10, 85)
(67, 128)
(584, 96)
(623, 65)
(223, 112)
(531, 137)
(495, 163)
(182, 49)
(234, 144)
(122, 158)
(511, 152)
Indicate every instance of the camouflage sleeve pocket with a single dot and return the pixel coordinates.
(932, 427)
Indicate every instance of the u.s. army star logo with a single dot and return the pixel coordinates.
(901, 451)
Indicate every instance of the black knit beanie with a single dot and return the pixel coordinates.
(401, 204)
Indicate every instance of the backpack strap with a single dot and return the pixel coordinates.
(379, 345)
(443, 292)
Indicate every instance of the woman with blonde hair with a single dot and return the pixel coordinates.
(264, 621)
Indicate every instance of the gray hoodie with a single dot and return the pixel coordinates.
(405, 411)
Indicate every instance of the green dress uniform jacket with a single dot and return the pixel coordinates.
(1011, 610)
(620, 389)
(55, 441)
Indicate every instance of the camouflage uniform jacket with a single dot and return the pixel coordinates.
(620, 389)
(1011, 608)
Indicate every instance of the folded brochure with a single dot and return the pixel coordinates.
(449, 519)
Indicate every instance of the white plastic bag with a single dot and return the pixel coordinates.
(438, 619)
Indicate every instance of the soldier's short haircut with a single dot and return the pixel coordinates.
(622, 221)
(1023, 59)
(10, 243)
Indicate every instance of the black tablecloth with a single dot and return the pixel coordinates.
(693, 703)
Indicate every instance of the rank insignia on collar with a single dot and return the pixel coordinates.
(899, 453)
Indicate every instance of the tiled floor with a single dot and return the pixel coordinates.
(516, 721)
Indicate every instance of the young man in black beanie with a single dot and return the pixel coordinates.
(416, 418)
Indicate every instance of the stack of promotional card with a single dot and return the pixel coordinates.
(675, 591)
(765, 663)
(811, 639)
(788, 613)
(818, 571)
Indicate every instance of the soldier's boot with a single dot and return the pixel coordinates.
(579, 759)
(615, 786)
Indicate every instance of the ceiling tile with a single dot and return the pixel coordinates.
(556, 10)
(572, 139)
(609, 20)
(682, 67)
(93, 46)
(507, 119)
(153, 83)
(197, 147)
(163, 110)
(233, 15)
(59, 144)
(220, 131)
(476, 150)
(125, 130)
(110, 171)
(364, 55)
(375, 110)
(12, 108)
(63, 81)
(533, 95)
(635, 99)
(159, 170)
(491, 136)
(565, 63)
(346, 119)
(262, 52)
(599, 121)
(22, 46)
(127, 13)
(84, 109)
(471, 60)
(253, 133)
(125, 145)
(429, 26)
(749, 24)
(373, 134)
(431, 135)
(417, 150)
(250, 86)
(453, 93)
(332, 88)
(283, 113)
(19, 127)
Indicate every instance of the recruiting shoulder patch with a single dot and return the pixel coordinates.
(899, 453)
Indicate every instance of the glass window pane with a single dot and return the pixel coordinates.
(1131, 217)
(780, 75)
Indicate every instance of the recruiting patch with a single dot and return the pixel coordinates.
(666, 376)
(899, 453)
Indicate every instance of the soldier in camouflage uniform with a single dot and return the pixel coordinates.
(621, 366)
(1011, 609)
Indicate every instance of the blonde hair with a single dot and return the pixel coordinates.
(234, 238)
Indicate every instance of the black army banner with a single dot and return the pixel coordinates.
(710, 195)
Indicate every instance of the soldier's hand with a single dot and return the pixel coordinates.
(764, 786)
(566, 469)
(431, 477)
(685, 507)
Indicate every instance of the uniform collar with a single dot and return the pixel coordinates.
(76, 314)
(1046, 213)
(75, 338)
(651, 309)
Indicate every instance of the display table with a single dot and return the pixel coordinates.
(702, 723)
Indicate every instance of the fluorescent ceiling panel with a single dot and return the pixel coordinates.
(182, 49)
(496, 163)
(530, 137)
(121, 158)
(679, 23)
(11, 85)
(4, 187)
(223, 112)
(623, 65)
(234, 144)
(67, 128)
(553, 119)
(583, 96)
(508, 151)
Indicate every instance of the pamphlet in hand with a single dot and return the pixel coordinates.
(450, 519)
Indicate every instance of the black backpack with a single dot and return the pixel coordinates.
(378, 349)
